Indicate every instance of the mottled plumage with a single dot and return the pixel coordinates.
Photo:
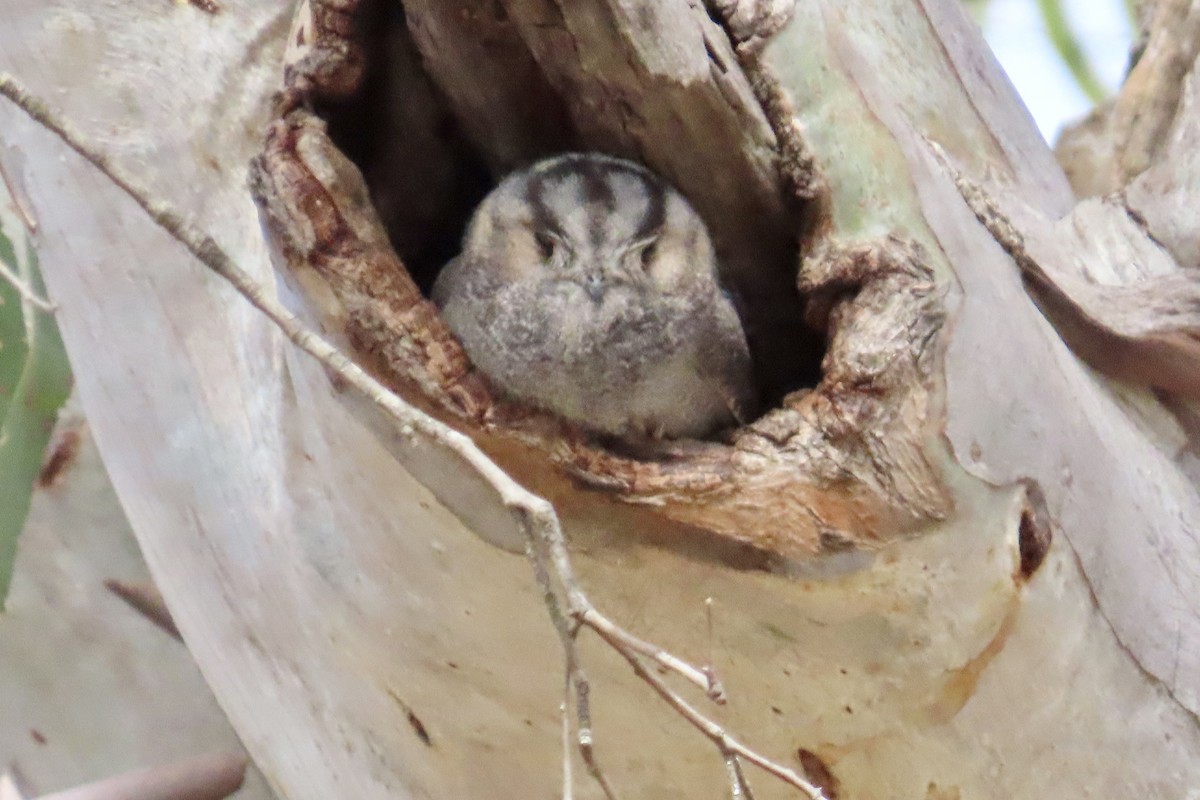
(588, 287)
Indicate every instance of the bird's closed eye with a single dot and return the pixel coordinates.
(545, 244)
(648, 252)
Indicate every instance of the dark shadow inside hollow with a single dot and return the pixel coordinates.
(423, 175)
(427, 170)
(1033, 530)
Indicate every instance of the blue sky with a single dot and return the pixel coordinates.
(1015, 32)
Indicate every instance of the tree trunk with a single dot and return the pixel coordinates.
(959, 563)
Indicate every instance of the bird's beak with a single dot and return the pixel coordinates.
(593, 284)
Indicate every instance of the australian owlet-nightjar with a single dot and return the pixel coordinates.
(588, 287)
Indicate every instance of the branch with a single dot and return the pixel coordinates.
(724, 742)
(25, 290)
(208, 777)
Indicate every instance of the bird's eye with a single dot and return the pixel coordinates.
(545, 244)
(648, 253)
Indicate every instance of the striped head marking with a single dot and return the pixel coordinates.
(594, 220)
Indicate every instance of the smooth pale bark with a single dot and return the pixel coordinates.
(91, 688)
(330, 600)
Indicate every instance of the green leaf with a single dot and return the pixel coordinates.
(34, 382)
(1070, 50)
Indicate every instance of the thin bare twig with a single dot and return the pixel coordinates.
(710, 668)
(724, 742)
(568, 789)
(587, 748)
(739, 786)
(208, 777)
(619, 637)
(537, 549)
(545, 543)
(19, 201)
(541, 551)
(26, 291)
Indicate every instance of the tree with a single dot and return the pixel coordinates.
(961, 564)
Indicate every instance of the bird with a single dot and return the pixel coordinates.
(588, 287)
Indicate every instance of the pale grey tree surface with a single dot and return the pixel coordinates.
(366, 643)
(91, 688)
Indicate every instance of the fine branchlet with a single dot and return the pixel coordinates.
(569, 608)
(22, 287)
(25, 291)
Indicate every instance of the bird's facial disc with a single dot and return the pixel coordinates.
(596, 222)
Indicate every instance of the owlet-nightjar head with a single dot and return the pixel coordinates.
(588, 287)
